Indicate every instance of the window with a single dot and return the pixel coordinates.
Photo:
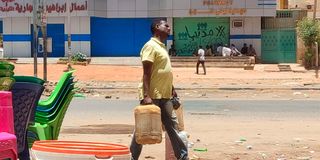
(237, 24)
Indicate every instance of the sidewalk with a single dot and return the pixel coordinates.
(129, 61)
(125, 73)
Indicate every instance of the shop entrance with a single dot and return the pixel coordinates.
(56, 32)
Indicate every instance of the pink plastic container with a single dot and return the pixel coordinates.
(8, 147)
(6, 112)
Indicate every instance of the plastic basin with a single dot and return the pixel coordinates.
(75, 150)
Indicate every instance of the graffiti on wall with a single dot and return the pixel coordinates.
(190, 35)
(7, 6)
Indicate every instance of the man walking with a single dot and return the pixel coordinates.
(201, 59)
(157, 87)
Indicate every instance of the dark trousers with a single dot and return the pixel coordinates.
(203, 66)
(170, 124)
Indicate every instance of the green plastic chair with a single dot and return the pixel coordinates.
(30, 79)
(45, 128)
(6, 73)
(56, 124)
(6, 65)
(63, 91)
(54, 95)
(51, 129)
(6, 83)
(43, 117)
(48, 124)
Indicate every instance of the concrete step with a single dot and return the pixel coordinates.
(226, 62)
(284, 68)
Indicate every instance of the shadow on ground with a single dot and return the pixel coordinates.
(100, 129)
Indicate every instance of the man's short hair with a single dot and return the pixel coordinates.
(155, 22)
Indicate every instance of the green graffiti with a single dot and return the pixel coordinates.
(190, 33)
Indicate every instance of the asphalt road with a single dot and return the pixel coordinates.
(277, 129)
(94, 111)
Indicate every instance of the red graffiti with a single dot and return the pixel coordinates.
(6, 1)
(76, 7)
(57, 8)
(23, 9)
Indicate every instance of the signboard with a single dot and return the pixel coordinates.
(40, 45)
(49, 44)
(232, 7)
(25, 7)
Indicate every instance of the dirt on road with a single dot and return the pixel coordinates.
(120, 82)
(225, 137)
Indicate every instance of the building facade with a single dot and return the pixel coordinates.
(299, 4)
(121, 27)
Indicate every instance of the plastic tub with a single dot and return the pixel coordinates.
(74, 150)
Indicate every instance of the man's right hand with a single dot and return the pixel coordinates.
(147, 100)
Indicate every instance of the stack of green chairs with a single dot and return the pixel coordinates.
(50, 112)
(6, 73)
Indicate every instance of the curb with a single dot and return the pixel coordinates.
(218, 88)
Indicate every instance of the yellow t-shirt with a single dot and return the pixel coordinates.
(161, 76)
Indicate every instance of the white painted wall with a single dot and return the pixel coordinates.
(79, 25)
(251, 26)
(176, 8)
(14, 26)
(22, 25)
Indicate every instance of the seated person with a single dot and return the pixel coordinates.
(235, 51)
(244, 49)
(195, 53)
(219, 50)
(226, 51)
(251, 51)
(172, 51)
(208, 51)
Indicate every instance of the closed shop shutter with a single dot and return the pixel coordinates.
(56, 32)
(279, 46)
(119, 37)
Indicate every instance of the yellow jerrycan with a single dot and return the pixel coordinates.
(148, 124)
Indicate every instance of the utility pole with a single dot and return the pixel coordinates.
(315, 9)
(316, 44)
(44, 36)
(69, 35)
(35, 37)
